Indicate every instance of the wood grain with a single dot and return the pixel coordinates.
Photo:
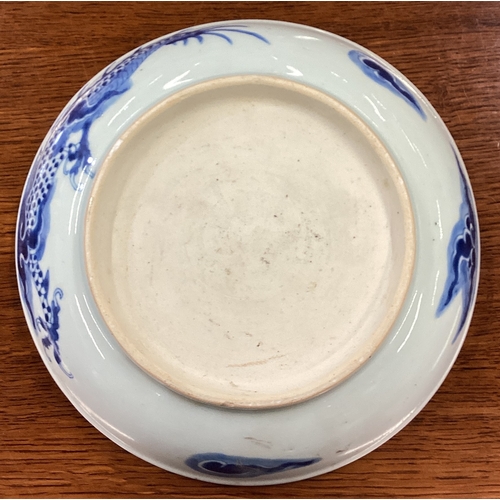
(451, 51)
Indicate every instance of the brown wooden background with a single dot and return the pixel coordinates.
(451, 51)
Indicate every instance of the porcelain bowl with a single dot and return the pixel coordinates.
(248, 252)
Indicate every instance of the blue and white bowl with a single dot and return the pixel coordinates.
(250, 439)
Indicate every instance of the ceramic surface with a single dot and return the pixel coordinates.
(249, 242)
(209, 442)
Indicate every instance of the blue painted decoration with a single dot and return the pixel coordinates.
(218, 464)
(383, 76)
(462, 256)
(67, 147)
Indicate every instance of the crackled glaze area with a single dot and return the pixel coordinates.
(250, 242)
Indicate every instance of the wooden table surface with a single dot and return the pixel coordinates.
(451, 51)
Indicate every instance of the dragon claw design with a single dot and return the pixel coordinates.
(462, 257)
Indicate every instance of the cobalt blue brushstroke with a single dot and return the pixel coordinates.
(383, 76)
(218, 464)
(462, 256)
(67, 146)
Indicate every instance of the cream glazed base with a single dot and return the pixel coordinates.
(249, 242)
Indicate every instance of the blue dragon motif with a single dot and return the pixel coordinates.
(463, 245)
(67, 147)
(221, 465)
(374, 70)
(462, 256)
